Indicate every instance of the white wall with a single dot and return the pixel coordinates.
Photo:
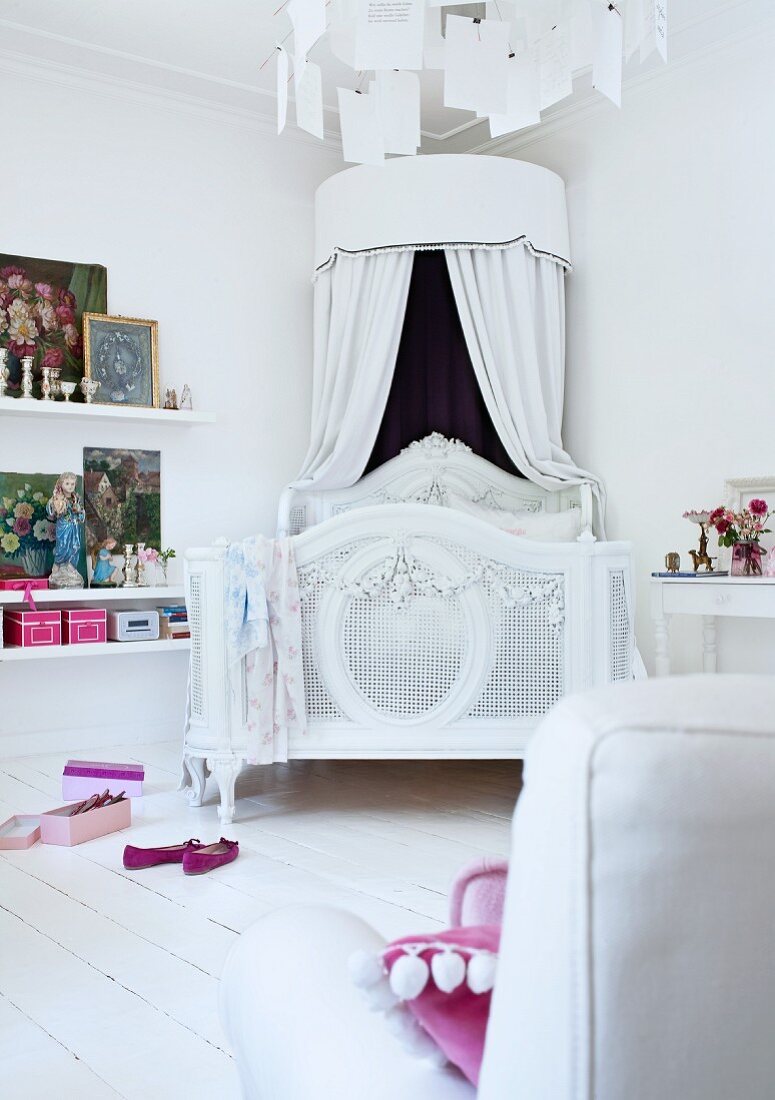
(207, 227)
(671, 324)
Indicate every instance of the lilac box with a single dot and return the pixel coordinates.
(82, 778)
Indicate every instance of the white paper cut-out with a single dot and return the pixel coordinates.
(309, 101)
(608, 44)
(476, 76)
(362, 141)
(389, 34)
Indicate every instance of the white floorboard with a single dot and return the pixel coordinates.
(109, 979)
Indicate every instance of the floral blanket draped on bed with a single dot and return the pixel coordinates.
(263, 625)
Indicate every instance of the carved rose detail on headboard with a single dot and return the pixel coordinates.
(436, 445)
(402, 578)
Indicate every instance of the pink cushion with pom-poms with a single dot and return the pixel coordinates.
(448, 991)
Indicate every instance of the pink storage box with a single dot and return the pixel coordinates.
(82, 625)
(20, 583)
(19, 832)
(32, 628)
(56, 827)
(83, 778)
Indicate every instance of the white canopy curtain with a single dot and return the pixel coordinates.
(360, 303)
(512, 308)
(503, 226)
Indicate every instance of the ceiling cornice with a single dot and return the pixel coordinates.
(239, 109)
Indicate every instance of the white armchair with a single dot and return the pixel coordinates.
(638, 952)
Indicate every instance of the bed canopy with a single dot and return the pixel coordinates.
(502, 227)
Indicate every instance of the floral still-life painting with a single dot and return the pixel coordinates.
(27, 533)
(122, 498)
(121, 353)
(41, 308)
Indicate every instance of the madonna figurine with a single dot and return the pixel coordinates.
(103, 569)
(66, 511)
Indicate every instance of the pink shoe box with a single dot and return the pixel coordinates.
(19, 832)
(57, 827)
(83, 778)
(32, 628)
(84, 625)
(21, 583)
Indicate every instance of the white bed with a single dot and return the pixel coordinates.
(426, 631)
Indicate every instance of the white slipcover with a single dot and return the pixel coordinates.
(638, 952)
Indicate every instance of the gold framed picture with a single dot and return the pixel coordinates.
(122, 354)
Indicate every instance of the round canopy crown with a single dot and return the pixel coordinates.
(441, 201)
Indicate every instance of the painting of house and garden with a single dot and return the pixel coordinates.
(122, 496)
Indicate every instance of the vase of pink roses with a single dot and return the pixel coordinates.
(742, 531)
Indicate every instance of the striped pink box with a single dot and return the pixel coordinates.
(83, 778)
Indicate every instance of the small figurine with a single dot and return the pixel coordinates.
(170, 399)
(185, 398)
(769, 568)
(672, 562)
(65, 509)
(103, 569)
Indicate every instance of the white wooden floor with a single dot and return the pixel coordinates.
(109, 979)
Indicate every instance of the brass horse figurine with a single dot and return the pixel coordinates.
(701, 556)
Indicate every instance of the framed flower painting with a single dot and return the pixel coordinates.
(42, 303)
(27, 535)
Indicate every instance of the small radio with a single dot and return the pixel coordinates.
(133, 626)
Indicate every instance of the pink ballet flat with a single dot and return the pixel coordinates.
(135, 859)
(198, 861)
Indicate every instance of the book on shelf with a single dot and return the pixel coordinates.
(175, 614)
(703, 576)
(173, 630)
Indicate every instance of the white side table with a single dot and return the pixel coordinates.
(744, 597)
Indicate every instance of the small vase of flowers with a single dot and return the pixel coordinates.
(160, 559)
(742, 531)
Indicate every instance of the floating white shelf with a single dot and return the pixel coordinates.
(172, 593)
(66, 410)
(103, 649)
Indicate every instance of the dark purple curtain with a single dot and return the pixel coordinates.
(434, 387)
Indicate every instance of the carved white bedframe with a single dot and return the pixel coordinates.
(427, 632)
